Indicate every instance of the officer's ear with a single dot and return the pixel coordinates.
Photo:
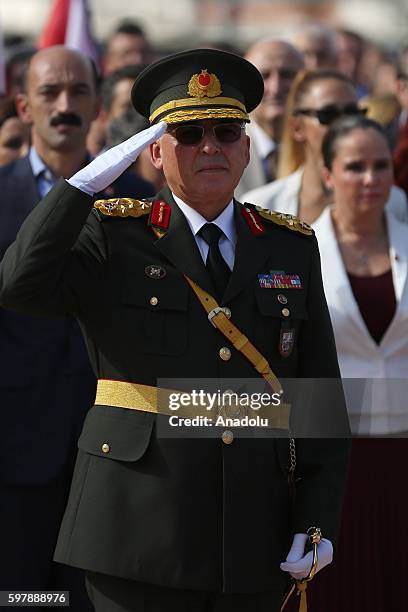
(156, 155)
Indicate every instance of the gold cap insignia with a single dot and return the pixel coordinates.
(204, 85)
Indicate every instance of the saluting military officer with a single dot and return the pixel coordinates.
(161, 523)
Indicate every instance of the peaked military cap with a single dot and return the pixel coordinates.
(198, 84)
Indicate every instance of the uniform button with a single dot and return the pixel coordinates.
(105, 448)
(282, 299)
(225, 353)
(227, 436)
(154, 301)
(285, 312)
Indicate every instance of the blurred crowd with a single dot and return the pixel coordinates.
(329, 143)
(379, 77)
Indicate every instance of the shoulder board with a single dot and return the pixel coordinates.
(289, 221)
(123, 207)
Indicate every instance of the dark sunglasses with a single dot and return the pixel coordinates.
(225, 133)
(330, 113)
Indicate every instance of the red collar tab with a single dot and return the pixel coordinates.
(253, 221)
(160, 215)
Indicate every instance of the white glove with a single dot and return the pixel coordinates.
(298, 564)
(106, 168)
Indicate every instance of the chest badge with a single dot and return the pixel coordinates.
(279, 280)
(155, 272)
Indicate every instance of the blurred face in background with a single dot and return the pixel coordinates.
(14, 140)
(278, 62)
(349, 51)
(402, 81)
(385, 80)
(318, 50)
(330, 95)
(60, 100)
(121, 101)
(126, 49)
(361, 174)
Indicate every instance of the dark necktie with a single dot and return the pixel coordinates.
(217, 268)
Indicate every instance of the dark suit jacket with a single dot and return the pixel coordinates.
(46, 382)
(187, 513)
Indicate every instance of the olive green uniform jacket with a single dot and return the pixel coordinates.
(189, 513)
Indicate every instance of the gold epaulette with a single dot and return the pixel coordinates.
(123, 207)
(290, 221)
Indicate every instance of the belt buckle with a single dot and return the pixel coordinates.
(215, 311)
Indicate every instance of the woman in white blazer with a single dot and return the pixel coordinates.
(316, 99)
(364, 255)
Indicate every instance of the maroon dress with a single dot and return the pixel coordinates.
(370, 567)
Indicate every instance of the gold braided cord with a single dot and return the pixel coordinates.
(301, 589)
(205, 113)
(174, 105)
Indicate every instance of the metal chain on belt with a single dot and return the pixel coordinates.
(292, 456)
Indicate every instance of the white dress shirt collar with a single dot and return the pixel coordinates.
(225, 220)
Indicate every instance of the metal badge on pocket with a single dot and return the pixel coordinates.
(286, 341)
(156, 272)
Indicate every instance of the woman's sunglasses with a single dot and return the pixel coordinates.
(189, 135)
(330, 113)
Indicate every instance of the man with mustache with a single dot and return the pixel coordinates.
(188, 285)
(46, 382)
(278, 62)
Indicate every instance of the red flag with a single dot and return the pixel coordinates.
(55, 28)
(69, 24)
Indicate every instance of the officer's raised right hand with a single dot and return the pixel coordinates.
(105, 169)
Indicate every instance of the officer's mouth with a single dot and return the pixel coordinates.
(214, 169)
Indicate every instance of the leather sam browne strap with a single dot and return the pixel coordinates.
(218, 318)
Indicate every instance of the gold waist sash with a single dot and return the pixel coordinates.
(134, 396)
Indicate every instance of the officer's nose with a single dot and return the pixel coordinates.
(210, 143)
